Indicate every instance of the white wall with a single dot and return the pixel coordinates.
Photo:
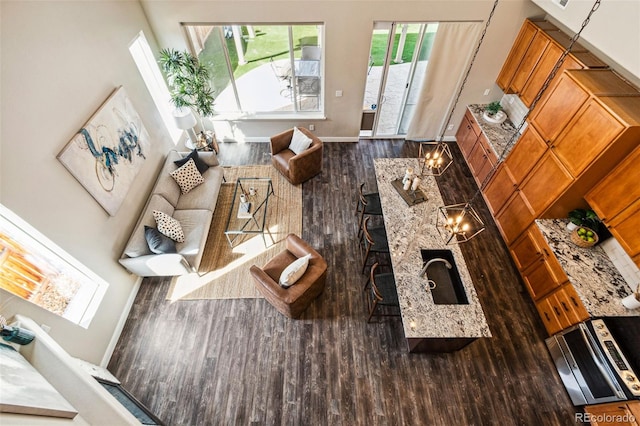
(613, 30)
(60, 61)
(348, 28)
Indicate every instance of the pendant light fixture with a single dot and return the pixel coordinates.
(458, 223)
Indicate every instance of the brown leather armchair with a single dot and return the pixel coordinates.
(294, 300)
(296, 168)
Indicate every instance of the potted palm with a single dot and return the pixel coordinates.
(493, 113)
(189, 82)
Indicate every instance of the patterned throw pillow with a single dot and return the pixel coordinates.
(187, 176)
(200, 164)
(169, 226)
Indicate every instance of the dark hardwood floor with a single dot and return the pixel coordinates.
(237, 362)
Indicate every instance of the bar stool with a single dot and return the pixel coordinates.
(367, 205)
(374, 242)
(382, 294)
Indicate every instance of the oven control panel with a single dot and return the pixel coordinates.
(616, 357)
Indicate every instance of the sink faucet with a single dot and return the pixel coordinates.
(423, 273)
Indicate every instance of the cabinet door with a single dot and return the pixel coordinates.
(539, 279)
(519, 49)
(571, 304)
(623, 413)
(542, 71)
(525, 154)
(618, 190)
(590, 132)
(557, 107)
(626, 228)
(499, 188)
(466, 135)
(545, 183)
(482, 160)
(525, 251)
(515, 217)
(549, 318)
(534, 53)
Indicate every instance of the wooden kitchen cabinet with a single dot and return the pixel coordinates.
(544, 274)
(626, 228)
(623, 413)
(561, 309)
(517, 53)
(481, 160)
(499, 189)
(467, 134)
(557, 107)
(618, 190)
(533, 56)
(515, 217)
(525, 154)
(545, 183)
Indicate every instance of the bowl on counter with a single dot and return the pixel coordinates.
(584, 237)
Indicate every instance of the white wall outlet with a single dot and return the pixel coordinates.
(338, 93)
(312, 126)
(450, 127)
(486, 92)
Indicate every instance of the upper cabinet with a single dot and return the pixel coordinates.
(535, 52)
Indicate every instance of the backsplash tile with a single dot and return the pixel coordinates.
(622, 261)
(515, 109)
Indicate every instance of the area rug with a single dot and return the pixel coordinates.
(224, 271)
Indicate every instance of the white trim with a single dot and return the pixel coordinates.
(323, 139)
(120, 325)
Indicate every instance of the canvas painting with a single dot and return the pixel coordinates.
(108, 152)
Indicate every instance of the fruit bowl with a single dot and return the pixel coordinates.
(584, 237)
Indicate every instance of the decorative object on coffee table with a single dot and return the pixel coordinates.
(107, 153)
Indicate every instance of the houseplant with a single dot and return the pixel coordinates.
(189, 81)
(493, 113)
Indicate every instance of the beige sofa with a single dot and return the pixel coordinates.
(193, 210)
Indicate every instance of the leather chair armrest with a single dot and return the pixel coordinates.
(281, 141)
(309, 159)
(301, 248)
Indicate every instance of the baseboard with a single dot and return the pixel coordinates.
(120, 325)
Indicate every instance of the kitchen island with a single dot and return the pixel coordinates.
(428, 327)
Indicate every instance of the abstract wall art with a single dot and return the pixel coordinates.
(108, 151)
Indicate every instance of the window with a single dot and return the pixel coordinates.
(260, 69)
(35, 269)
(148, 67)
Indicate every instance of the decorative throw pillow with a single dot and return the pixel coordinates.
(293, 272)
(187, 176)
(169, 226)
(158, 243)
(200, 164)
(299, 141)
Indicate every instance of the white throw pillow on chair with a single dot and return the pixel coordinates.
(294, 271)
(299, 141)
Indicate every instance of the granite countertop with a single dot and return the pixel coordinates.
(597, 281)
(498, 135)
(410, 229)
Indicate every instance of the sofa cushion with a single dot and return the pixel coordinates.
(137, 244)
(157, 242)
(294, 271)
(169, 226)
(193, 155)
(299, 141)
(195, 225)
(187, 176)
(165, 184)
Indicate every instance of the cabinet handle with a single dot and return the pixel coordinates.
(564, 305)
(468, 127)
(547, 316)
(546, 252)
(555, 309)
(574, 301)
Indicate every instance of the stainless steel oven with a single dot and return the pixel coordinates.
(598, 360)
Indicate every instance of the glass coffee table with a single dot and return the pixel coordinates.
(248, 212)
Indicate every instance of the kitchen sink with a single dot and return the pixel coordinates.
(448, 288)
